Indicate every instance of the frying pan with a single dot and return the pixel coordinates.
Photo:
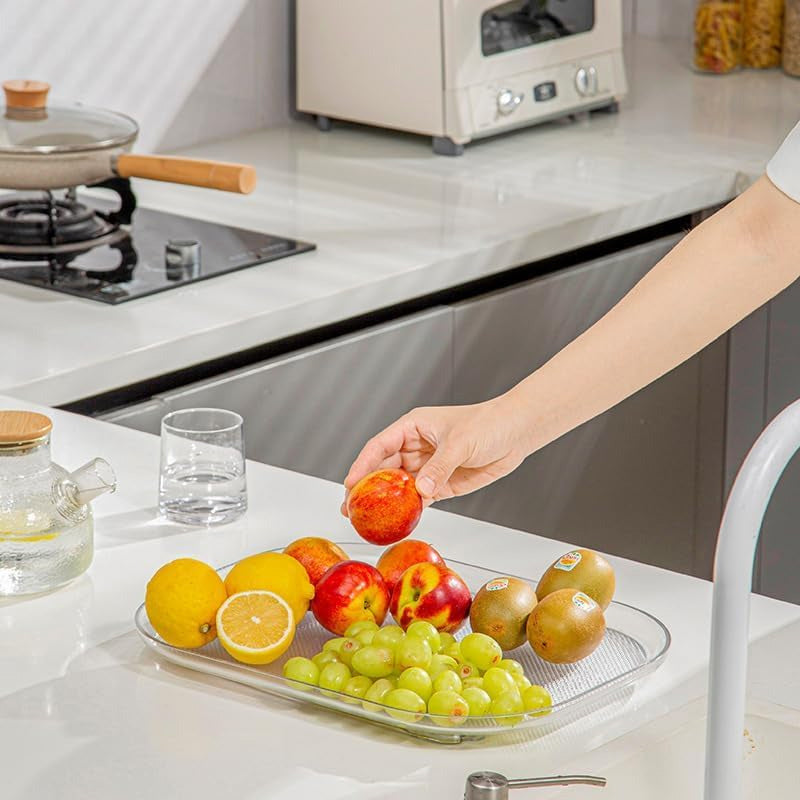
(44, 147)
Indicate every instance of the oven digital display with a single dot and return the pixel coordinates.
(523, 23)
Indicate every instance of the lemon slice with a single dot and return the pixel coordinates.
(255, 627)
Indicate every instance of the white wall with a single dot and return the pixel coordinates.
(660, 18)
(186, 70)
(246, 85)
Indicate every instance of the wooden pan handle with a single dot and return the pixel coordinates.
(26, 94)
(239, 178)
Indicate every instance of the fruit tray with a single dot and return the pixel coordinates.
(634, 645)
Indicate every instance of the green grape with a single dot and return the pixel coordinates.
(374, 662)
(481, 650)
(447, 708)
(479, 702)
(405, 705)
(424, 630)
(325, 657)
(365, 637)
(302, 670)
(445, 640)
(440, 663)
(447, 681)
(354, 628)
(507, 703)
(521, 681)
(413, 652)
(537, 698)
(357, 687)
(497, 681)
(467, 670)
(333, 676)
(333, 645)
(453, 650)
(509, 665)
(418, 681)
(389, 636)
(376, 692)
(348, 648)
(473, 681)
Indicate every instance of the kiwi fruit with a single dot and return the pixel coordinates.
(565, 626)
(584, 570)
(500, 609)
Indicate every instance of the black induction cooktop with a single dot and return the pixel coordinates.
(129, 253)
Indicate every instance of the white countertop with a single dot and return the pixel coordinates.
(87, 712)
(393, 222)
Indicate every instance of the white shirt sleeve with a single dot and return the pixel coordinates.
(784, 167)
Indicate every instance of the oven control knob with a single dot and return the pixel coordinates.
(507, 101)
(586, 81)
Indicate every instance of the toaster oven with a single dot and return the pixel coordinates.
(457, 70)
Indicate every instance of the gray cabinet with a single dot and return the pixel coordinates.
(312, 411)
(643, 480)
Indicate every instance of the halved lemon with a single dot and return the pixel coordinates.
(255, 627)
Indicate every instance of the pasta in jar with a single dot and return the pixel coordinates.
(763, 33)
(718, 35)
(791, 38)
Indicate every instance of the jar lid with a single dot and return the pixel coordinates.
(23, 427)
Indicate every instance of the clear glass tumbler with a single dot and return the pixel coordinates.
(202, 477)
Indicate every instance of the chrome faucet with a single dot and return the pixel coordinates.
(730, 616)
(494, 786)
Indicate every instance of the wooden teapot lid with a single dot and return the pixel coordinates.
(20, 427)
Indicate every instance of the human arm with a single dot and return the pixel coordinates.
(723, 270)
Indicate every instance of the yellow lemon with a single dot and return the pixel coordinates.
(273, 572)
(182, 600)
(255, 627)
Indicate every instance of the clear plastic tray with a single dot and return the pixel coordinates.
(634, 645)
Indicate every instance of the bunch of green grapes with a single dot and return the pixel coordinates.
(407, 674)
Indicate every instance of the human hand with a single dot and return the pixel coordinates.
(450, 450)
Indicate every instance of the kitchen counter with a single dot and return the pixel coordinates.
(394, 222)
(87, 712)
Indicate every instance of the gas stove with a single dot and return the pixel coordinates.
(116, 252)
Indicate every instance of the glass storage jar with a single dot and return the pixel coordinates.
(791, 38)
(763, 33)
(718, 35)
(46, 530)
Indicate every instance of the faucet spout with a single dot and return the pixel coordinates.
(93, 479)
(730, 617)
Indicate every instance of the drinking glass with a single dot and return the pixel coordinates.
(202, 477)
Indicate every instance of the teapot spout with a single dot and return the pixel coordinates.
(93, 479)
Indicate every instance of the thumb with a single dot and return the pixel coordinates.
(437, 470)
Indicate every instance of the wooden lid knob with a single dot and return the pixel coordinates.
(26, 94)
(21, 427)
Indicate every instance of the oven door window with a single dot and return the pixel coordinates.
(523, 23)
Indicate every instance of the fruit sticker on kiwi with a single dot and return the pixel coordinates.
(568, 561)
(583, 601)
(497, 584)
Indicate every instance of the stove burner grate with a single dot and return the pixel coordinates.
(47, 221)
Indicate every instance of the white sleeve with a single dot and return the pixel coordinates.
(784, 167)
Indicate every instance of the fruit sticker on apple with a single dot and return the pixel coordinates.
(348, 592)
(433, 593)
(384, 506)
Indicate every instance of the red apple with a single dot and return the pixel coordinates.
(399, 557)
(316, 554)
(348, 592)
(384, 506)
(433, 593)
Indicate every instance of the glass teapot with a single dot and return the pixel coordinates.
(46, 529)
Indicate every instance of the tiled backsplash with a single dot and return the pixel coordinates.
(662, 18)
